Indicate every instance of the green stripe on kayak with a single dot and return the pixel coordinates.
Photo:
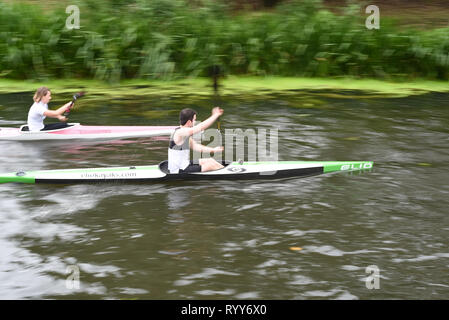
(12, 177)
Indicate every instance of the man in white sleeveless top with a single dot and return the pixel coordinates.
(181, 142)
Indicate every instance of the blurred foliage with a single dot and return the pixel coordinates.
(168, 39)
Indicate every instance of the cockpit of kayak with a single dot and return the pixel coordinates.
(61, 126)
(163, 166)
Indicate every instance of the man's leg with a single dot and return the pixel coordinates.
(209, 164)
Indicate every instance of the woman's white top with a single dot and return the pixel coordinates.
(36, 116)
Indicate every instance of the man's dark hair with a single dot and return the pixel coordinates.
(186, 115)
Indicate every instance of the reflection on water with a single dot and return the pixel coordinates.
(178, 199)
(233, 239)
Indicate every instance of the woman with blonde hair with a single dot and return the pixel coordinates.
(39, 111)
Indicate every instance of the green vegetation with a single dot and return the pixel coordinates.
(174, 39)
(230, 86)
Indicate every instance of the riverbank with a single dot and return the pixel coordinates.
(229, 86)
(167, 40)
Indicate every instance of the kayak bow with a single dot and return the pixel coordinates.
(78, 131)
(157, 173)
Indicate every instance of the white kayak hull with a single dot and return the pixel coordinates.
(157, 173)
(77, 131)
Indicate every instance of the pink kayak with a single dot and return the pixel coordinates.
(78, 131)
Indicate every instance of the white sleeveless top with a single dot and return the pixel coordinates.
(178, 155)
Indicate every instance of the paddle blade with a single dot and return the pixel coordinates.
(75, 97)
(78, 95)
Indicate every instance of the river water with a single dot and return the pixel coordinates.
(322, 237)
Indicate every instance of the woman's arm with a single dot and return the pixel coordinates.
(58, 112)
